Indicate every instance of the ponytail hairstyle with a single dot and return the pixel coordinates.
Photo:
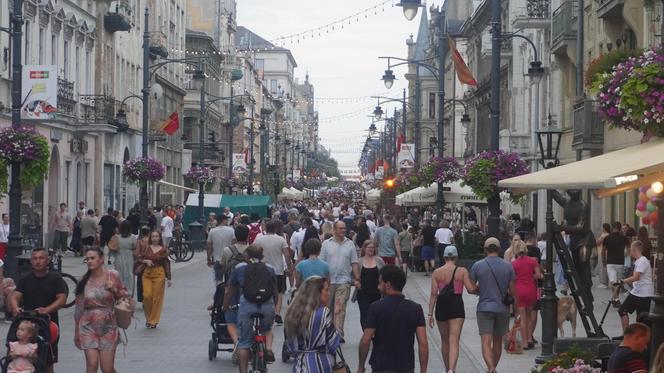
(86, 277)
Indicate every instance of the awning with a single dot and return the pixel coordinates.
(162, 182)
(209, 200)
(452, 193)
(373, 194)
(608, 174)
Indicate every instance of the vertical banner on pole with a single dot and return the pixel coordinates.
(380, 171)
(239, 164)
(406, 156)
(39, 92)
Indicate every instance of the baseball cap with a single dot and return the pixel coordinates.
(451, 252)
(491, 241)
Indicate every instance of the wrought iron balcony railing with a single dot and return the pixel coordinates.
(588, 126)
(97, 109)
(66, 102)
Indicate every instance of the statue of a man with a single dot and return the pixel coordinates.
(576, 223)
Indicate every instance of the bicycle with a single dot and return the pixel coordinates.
(258, 347)
(55, 264)
(179, 249)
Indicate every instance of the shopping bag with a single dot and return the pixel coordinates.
(513, 343)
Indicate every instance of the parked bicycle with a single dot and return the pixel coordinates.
(179, 249)
(55, 264)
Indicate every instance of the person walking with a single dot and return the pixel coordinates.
(89, 228)
(387, 240)
(142, 244)
(96, 330)
(370, 265)
(75, 243)
(392, 325)
(340, 254)
(444, 237)
(62, 227)
(496, 281)
(275, 249)
(156, 272)
(167, 227)
(406, 246)
(219, 237)
(509, 254)
(615, 244)
(601, 254)
(527, 272)
(109, 227)
(44, 292)
(643, 289)
(447, 283)
(309, 329)
(428, 254)
(311, 265)
(124, 255)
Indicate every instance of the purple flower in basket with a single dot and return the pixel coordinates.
(201, 174)
(483, 172)
(141, 170)
(20, 144)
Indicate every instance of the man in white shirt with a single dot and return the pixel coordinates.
(227, 212)
(167, 226)
(219, 237)
(275, 249)
(297, 239)
(642, 286)
(372, 225)
(4, 236)
(444, 237)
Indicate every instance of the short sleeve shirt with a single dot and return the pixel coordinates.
(644, 287)
(273, 251)
(340, 258)
(395, 321)
(491, 290)
(108, 225)
(62, 220)
(625, 360)
(41, 291)
(444, 236)
(615, 244)
(220, 237)
(385, 237)
(313, 267)
(167, 226)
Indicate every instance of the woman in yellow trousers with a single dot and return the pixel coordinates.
(157, 269)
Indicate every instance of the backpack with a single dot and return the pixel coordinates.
(254, 230)
(235, 259)
(258, 283)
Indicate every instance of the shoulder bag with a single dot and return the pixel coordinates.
(508, 299)
(123, 308)
(340, 365)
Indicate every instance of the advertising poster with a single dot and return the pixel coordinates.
(406, 156)
(239, 164)
(40, 92)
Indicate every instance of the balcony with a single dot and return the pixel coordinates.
(158, 44)
(563, 30)
(97, 109)
(588, 126)
(610, 8)
(66, 102)
(534, 16)
(118, 17)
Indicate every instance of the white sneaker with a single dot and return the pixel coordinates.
(602, 286)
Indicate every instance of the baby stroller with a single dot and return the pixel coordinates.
(220, 334)
(43, 345)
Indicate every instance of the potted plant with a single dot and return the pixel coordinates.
(605, 62)
(27, 147)
(631, 95)
(483, 172)
(140, 171)
(200, 174)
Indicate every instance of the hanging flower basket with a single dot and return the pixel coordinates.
(199, 175)
(26, 146)
(605, 63)
(407, 181)
(442, 170)
(631, 95)
(139, 171)
(483, 172)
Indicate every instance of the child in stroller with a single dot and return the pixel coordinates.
(28, 344)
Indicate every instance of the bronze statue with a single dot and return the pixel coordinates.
(576, 223)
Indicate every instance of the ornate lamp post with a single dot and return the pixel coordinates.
(549, 144)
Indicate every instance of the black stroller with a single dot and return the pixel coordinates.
(43, 339)
(220, 334)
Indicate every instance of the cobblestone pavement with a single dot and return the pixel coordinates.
(180, 342)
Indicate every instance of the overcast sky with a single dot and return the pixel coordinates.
(341, 63)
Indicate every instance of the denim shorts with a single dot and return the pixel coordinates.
(245, 323)
(231, 316)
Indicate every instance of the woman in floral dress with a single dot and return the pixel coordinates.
(96, 330)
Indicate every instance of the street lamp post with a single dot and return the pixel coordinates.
(493, 221)
(250, 188)
(199, 81)
(265, 149)
(549, 144)
(143, 194)
(14, 240)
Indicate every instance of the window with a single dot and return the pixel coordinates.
(77, 65)
(88, 78)
(42, 46)
(432, 105)
(28, 37)
(260, 68)
(54, 49)
(66, 59)
(273, 86)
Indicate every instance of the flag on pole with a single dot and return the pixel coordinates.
(462, 70)
(171, 125)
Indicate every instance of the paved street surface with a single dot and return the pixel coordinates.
(179, 344)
